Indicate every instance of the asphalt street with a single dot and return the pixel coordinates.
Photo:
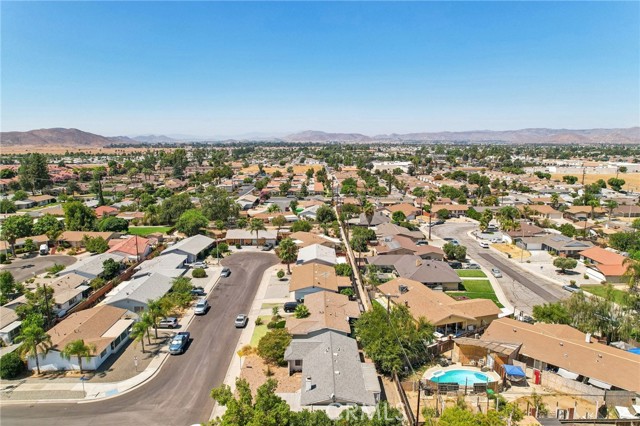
(23, 269)
(523, 289)
(179, 393)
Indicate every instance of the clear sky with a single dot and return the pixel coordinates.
(207, 68)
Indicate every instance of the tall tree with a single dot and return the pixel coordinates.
(156, 310)
(15, 227)
(34, 172)
(256, 225)
(78, 217)
(611, 205)
(46, 223)
(34, 338)
(79, 349)
(191, 221)
(431, 198)
(278, 221)
(287, 252)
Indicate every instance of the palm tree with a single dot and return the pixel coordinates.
(138, 332)
(555, 200)
(611, 205)
(273, 208)
(79, 349)
(369, 210)
(54, 235)
(593, 203)
(156, 310)
(431, 198)
(287, 251)
(34, 338)
(256, 225)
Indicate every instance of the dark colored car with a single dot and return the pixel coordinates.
(455, 265)
(179, 343)
(198, 291)
(290, 306)
(267, 247)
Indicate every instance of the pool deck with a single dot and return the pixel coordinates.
(428, 375)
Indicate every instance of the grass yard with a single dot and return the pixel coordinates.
(601, 290)
(477, 286)
(477, 289)
(143, 231)
(271, 306)
(470, 273)
(260, 331)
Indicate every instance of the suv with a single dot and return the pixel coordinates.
(198, 291)
(179, 343)
(473, 266)
(225, 272)
(572, 288)
(169, 322)
(202, 307)
(290, 306)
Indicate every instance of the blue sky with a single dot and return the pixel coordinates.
(207, 68)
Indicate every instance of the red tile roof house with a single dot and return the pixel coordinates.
(604, 265)
(409, 210)
(103, 211)
(133, 248)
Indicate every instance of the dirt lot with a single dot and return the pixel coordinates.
(514, 251)
(632, 179)
(253, 370)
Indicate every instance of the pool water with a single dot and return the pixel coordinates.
(461, 377)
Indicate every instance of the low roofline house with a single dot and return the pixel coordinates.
(314, 277)
(194, 247)
(247, 238)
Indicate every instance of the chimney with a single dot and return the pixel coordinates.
(307, 384)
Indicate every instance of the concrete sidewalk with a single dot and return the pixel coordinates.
(53, 391)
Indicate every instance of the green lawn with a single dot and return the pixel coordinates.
(470, 273)
(260, 331)
(477, 286)
(472, 295)
(600, 290)
(143, 231)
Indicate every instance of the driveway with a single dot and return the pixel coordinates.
(522, 288)
(23, 269)
(179, 393)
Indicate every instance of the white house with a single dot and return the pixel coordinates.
(192, 247)
(134, 295)
(317, 253)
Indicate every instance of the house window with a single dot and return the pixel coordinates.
(297, 363)
(103, 353)
(138, 309)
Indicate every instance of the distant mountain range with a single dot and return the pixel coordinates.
(60, 137)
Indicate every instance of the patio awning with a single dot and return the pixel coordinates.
(599, 384)
(567, 374)
(513, 370)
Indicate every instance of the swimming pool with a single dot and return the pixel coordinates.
(460, 377)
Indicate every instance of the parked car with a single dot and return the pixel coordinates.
(422, 243)
(225, 272)
(179, 343)
(455, 265)
(169, 322)
(473, 266)
(241, 321)
(572, 288)
(290, 306)
(202, 265)
(449, 239)
(198, 291)
(483, 244)
(496, 240)
(496, 272)
(44, 249)
(267, 247)
(202, 307)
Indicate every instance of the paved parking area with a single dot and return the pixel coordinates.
(22, 269)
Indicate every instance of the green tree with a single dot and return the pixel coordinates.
(611, 205)
(301, 311)
(343, 270)
(551, 313)
(173, 207)
(157, 310)
(564, 263)
(140, 329)
(567, 229)
(8, 287)
(287, 252)
(616, 184)
(7, 206)
(110, 269)
(79, 349)
(279, 221)
(33, 172)
(256, 225)
(555, 200)
(570, 179)
(113, 224)
(273, 208)
(15, 227)
(325, 214)
(95, 244)
(78, 217)
(34, 338)
(272, 345)
(29, 246)
(217, 204)
(191, 221)
(11, 365)
(301, 226)
(369, 211)
(398, 217)
(442, 214)
(38, 301)
(46, 224)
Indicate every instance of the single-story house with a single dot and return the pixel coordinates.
(76, 238)
(435, 274)
(564, 246)
(332, 372)
(134, 295)
(393, 230)
(328, 311)
(305, 239)
(245, 237)
(377, 219)
(577, 213)
(404, 245)
(68, 291)
(527, 230)
(105, 327)
(317, 253)
(455, 210)
(409, 210)
(314, 277)
(193, 247)
(41, 200)
(561, 347)
(544, 212)
(627, 211)
(92, 266)
(604, 265)
(448, 315)
(103, 211)
(247, 201)
(170, 265)
(133, 248)
(9, 324)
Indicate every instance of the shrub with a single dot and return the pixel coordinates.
(3, 257)
(276, 324)
(586, 276)
(73, 252)
(55, 268)
(238, 246)
(258, 321)
(11, 365)
(343, 269)
(272, 346)
(199, 273)
(572, 282)
(301, 312)
(280, 274)
(347, 292)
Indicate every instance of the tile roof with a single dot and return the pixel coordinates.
(327, 311)
(316, 275)
(600, 255)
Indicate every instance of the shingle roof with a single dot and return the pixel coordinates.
(327, 311)
(416, 268)
(192, 245)
(332, 362)
(316, 275)
(143, 289)
(317, 252)
(92, 265)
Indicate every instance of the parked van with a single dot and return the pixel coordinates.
(44, 249)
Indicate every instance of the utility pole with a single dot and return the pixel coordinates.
(389, 296)
(418, 407)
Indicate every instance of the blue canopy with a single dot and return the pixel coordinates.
(513, 370)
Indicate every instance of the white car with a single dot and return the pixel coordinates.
(496, 272)
(496, 240)
(199, 265)
(484, 244)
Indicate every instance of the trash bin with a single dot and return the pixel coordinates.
(509, 255)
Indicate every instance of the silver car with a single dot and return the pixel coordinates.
(202, 306)
(241, 321)
(496, 272)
